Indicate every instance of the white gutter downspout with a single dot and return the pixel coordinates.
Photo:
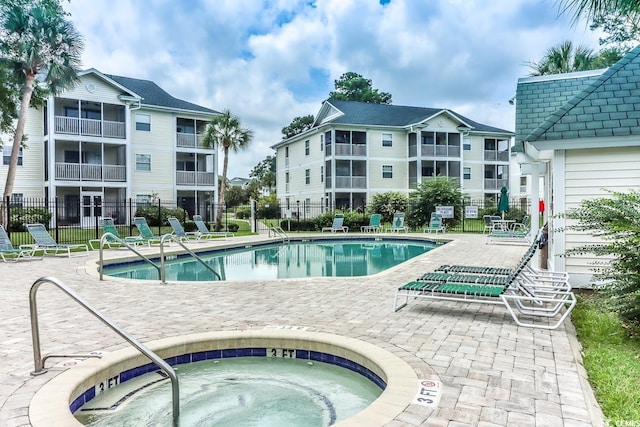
(531, 156)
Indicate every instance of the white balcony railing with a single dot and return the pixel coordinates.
(430, 150)
(494, 184)
(351, 150)
(351, 182)
(189, 140)
(496, 156)
(89, 127)
(194, 178)
(90, 172)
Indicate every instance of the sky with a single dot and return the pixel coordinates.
(271, 61)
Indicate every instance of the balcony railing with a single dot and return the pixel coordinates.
(189, 140)
(430, 150)
(496, 156)
(194, 178)
(494, 184)
(90, 127)
(90, 172)
(350, 150)
(351, 182)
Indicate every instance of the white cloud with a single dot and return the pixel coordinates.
(270, 61)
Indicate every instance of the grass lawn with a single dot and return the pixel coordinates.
(611, 353)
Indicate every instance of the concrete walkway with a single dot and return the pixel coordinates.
(494, 373)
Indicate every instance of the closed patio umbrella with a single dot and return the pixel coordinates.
(503, 202)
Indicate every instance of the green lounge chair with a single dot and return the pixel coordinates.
(49, 246)
(338, 220)
(145, 232)
(397, 224)
(109, 226)
(204, 232)
(374, 224)
(9, 253)
(179, 233)
(435, 224)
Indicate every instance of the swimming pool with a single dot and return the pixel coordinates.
(303, 258)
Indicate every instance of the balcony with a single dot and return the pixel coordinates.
(189, 140)
(90, 127)
(351, 182)
(359, 150)
(496, 156)
(194, 178)
(90, 172)
(495, 184)
(430, 150)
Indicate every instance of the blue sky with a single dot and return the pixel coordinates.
(270, 61)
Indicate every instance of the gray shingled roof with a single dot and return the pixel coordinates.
(609, 106)
(154, 95)
(362, 113)
(537, 98)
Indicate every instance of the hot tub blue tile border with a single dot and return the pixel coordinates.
(200, 356)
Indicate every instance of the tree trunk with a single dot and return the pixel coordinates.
(225, 165)
(17, 142)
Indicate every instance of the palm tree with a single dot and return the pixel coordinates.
(565, 58)
(593, 9)
(226, 132)
(37, 40)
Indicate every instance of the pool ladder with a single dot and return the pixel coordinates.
(161, 267)
(39, 360)
(279, 232)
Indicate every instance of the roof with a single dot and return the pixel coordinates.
(539, 97)
(362, 113)
(608, 107)
(154, 95)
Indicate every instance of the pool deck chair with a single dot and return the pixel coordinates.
(179, 233)
(435, 224)
(9, 253)
(145, 231)
(338, 220)
(109, 226)
(517, 232)
(374, 224)
(45, 242)
(397, 224)
(203, 230)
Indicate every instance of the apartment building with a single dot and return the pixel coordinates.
(355, 150)
(110, 139)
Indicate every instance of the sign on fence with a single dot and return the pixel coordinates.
(471, 212)
(445, 211)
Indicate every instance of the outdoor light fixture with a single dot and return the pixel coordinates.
(512, 101)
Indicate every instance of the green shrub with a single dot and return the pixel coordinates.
(437, 191)
(233, 228)
(387, 204)
(21, 216)
(151, 214)
(243, 212)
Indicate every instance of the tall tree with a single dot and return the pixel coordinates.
(297, 125)
(37, 39)
(225, 131)
(264, 173)
(591, 9)
(567, 58)
(353, 87)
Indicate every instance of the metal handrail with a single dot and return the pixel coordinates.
(38, 360)
(278, 231)
(193, 254)
(108, 235)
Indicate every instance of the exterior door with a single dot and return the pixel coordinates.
(91, 208)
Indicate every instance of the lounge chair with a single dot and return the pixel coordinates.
(435, 224)
(338, 220)
(397, 224)
(374, 224)
(489, 222)
(9, 253)
(108, 226)
(49, 246)
(204, 232)
(517, 232)
(178, 231)
(145, 232)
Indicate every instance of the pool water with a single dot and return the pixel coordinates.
(321, 258)
(244, 391)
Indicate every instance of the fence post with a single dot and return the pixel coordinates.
(130, 220)
(8, 215)
(57, 218)
(159, 217)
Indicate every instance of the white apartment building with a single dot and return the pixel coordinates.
(110, 139)
(355, 150)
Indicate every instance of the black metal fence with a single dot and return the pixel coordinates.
(71, 222)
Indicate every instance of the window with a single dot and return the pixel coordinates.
(387, 140)
(387, 171)
(307, 207)
(466, 144)
(17, 200)
(143, 122)
(467, 173)
(306, 147)
(143, 162)
(307, 176)
(321, 173)
(6, 155)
